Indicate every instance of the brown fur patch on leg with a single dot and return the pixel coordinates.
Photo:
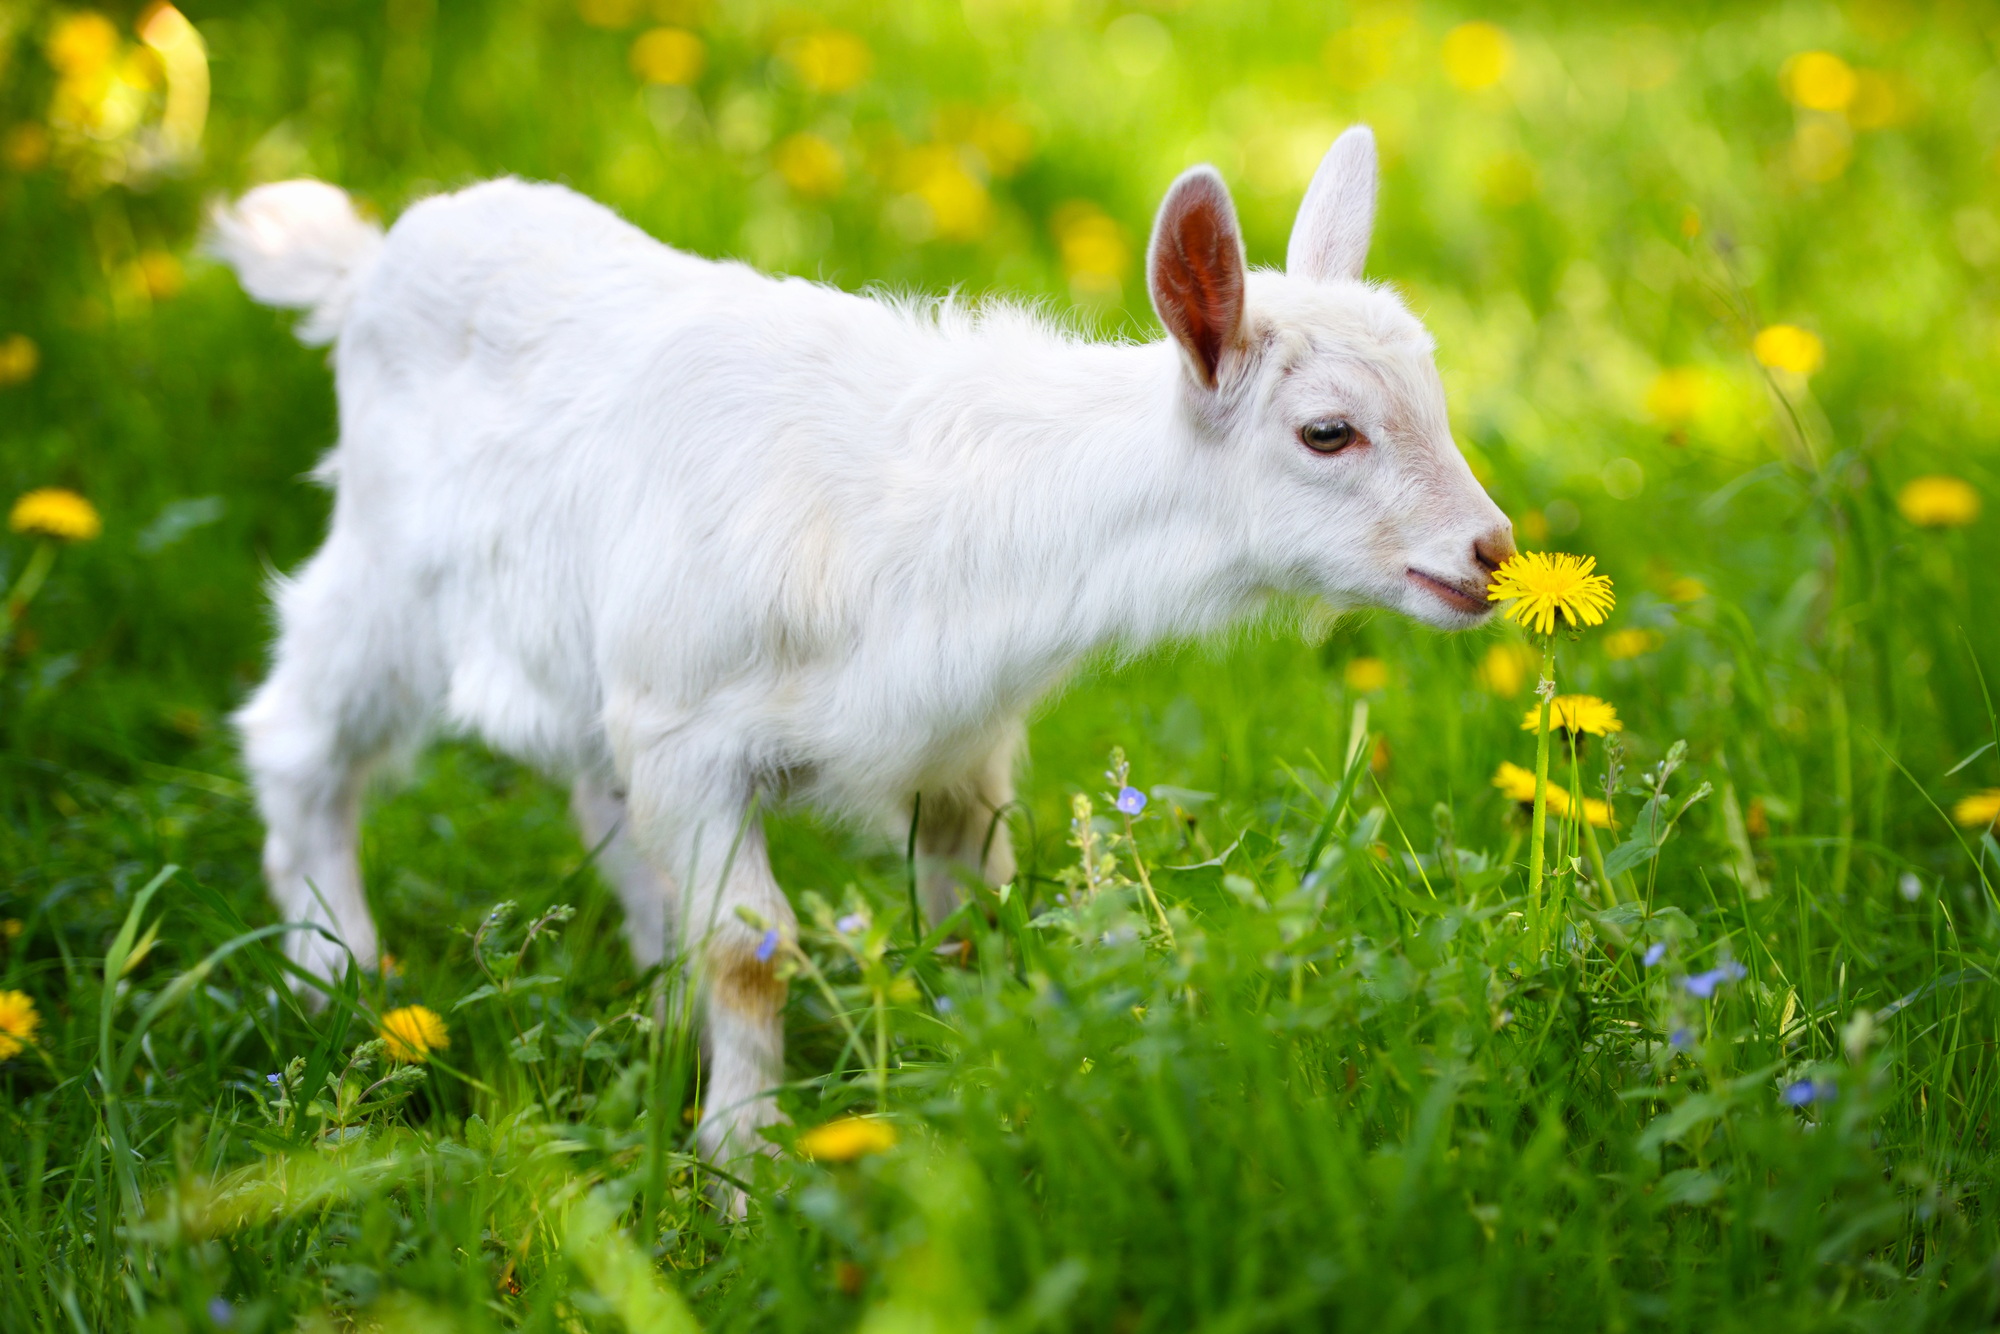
(738, 982)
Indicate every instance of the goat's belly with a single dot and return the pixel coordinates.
(494, 697)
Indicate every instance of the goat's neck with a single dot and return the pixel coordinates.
(1104, 515)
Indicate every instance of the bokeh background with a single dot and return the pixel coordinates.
(1716, 291)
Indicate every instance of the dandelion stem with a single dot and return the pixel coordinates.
(1538, 830)
(25, 588)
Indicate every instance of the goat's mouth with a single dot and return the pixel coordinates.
(1461, 598)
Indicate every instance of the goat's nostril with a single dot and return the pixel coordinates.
(1494, 549)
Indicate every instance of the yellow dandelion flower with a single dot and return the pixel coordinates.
(1818, 81)
(1542, 585)
(1622, 644)
(1477, 55)
(1939, 502)
(1516, 783)
(849, 1138)
(413, 1033)
(830, 61)
(1505, 669)
(54, 512)
(1366, 674)
(810, 165)
(1685, 589)
(1678, 394)
(668, 55)
(1981, 810)
(18, 359)
(18, 1022)
(1787, 347)
(1576, 713)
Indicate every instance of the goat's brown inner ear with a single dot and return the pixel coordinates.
(1195, 269)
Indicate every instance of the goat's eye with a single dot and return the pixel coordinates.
(1329, 435)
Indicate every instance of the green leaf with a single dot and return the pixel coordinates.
(478, 993)
(1631, 853)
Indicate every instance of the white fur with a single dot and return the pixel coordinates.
(697, 537)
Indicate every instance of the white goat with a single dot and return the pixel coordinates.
(691, 536)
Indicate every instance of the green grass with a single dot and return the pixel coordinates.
(1365, 1097)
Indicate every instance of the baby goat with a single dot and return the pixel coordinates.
(691, 536)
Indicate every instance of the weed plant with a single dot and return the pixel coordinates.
(1272, 1048)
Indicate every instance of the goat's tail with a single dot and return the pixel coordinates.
(297, 244)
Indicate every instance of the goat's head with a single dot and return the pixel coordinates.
(1321, 399)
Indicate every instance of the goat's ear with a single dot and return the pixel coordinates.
(1194, 267)
(1337, 216)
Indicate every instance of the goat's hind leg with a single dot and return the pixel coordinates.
(719, 874)
(339, 699)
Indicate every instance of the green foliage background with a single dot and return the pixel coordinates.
(1352, 1099)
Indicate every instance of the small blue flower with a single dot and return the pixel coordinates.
(1655, 952)
(767, 946)
(1681, 1039)
(945, 1005)
(1703, 985)
(851, 924)
(221, 1312)
(274, 1078)
(1130, 800)
(1800, 1092)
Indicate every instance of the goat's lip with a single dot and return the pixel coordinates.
(1458, 597)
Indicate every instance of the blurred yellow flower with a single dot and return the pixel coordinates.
(1505, 669)
(1543, 585)
(1576, 713)
(608, 13)
(1939, 502)
(1477, 55)
(1630, 643)
(1366, 674)
(1367, 52)
(413, 1033)
(26, 147)
(1518, 784)
(1094, 252)
(1787, 347)
(18, 1022)
(1880, 101)
(54, 512)
(18, 359)
(1818, 81)
(959, 206)
(82, 45)
(1685, 589)
(1981, 810)
(849, 1138)
(829, 61)
(668, 56)
(158, 275)
(1677, 394)
(811, 165)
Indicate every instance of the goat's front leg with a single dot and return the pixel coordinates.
(712, 854)
(962, 829)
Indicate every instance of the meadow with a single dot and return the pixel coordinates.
(1716, 289)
